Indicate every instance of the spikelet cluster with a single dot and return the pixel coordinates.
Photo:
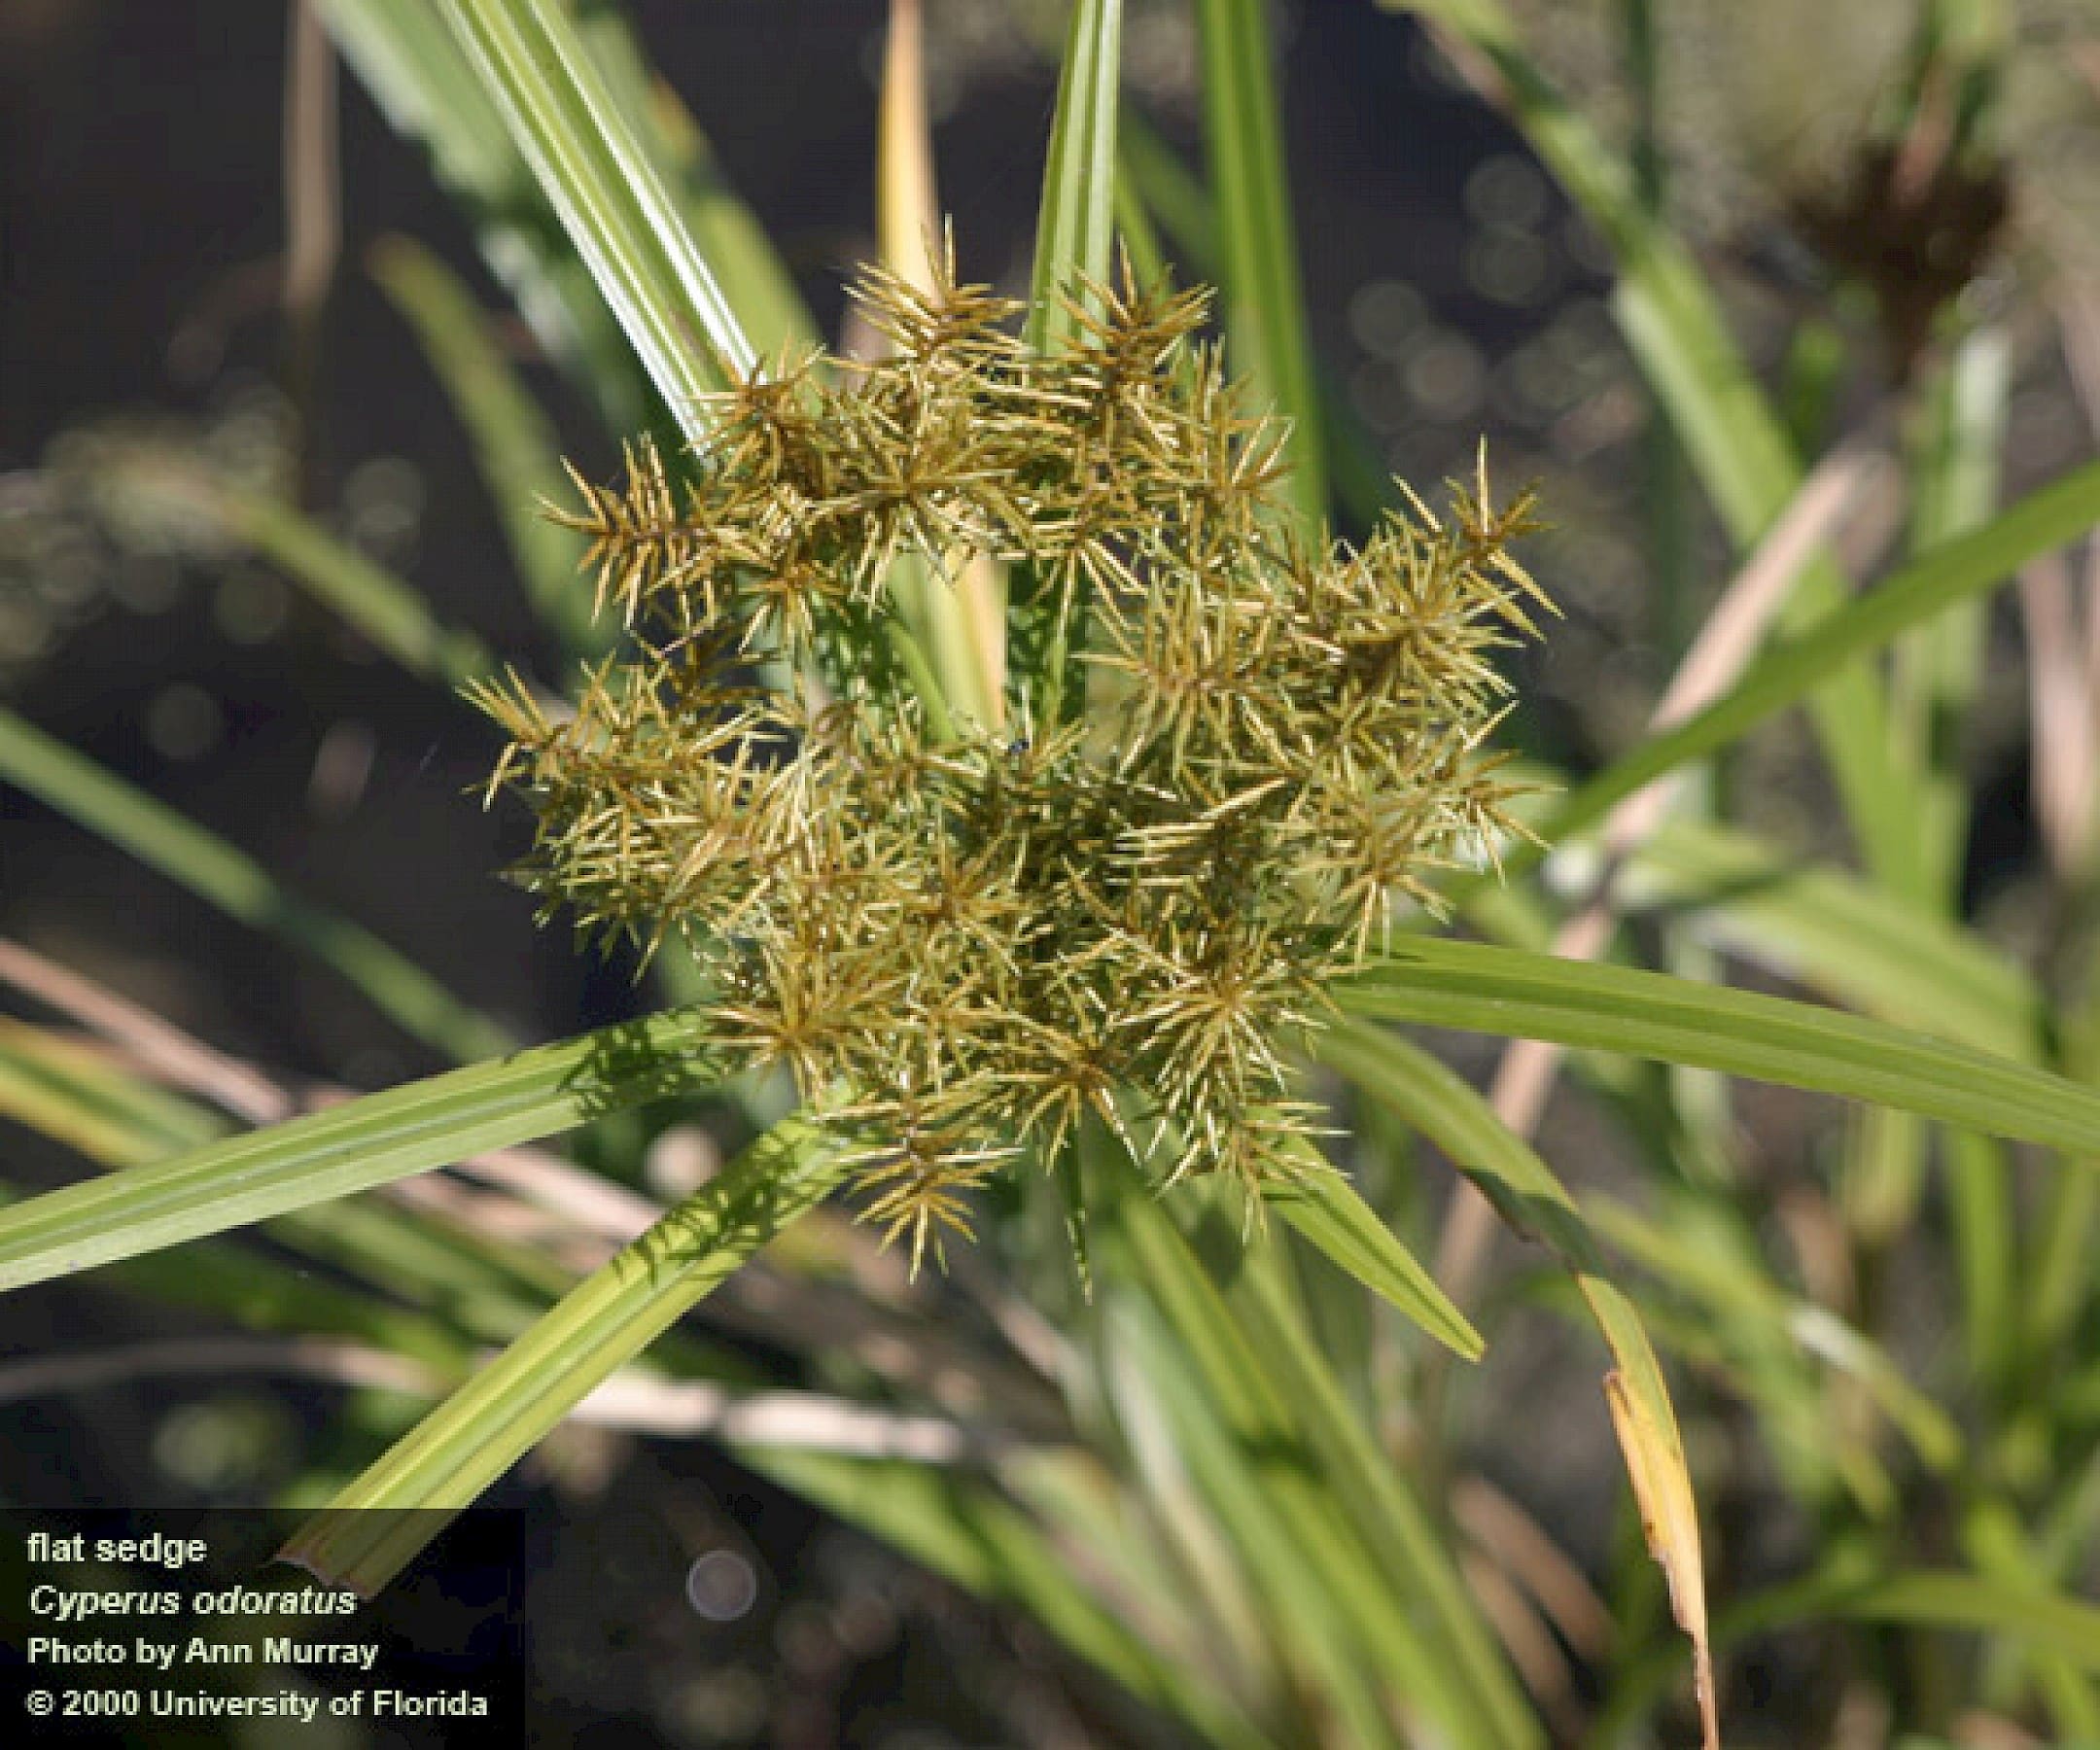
(963, 941)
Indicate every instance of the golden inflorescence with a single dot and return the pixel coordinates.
(960, 939)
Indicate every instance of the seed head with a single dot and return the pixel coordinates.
(961, 942)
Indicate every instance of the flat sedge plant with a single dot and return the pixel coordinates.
(1091, 906)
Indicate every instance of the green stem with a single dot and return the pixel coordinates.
(909, 651)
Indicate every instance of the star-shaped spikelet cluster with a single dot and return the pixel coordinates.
(959, 940)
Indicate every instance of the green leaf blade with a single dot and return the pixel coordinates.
(1476, 987)
(352, 1148)
(1433, 1098)
(1324, 1207)
(384, 1519)
(1264, 303)
(1075, 224)
(1846, 936)
(609, 195)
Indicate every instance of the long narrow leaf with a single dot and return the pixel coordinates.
(754, 280)
(1844, 935)
(1073, 231)
(611, 197)
(2068, 1628)
(1313, 1591)
(960, 617)
(1515, 994)
(1938, 670)
(382, 1521)
(1075, 223)
(1264, 305)
(2032, 1615)
(1461, 1123)
(59, 1089)
(64, 1090)
(1325, 1209)
(1740, 1296)
(354, 1146)
(416, 72)
(468, 1284)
